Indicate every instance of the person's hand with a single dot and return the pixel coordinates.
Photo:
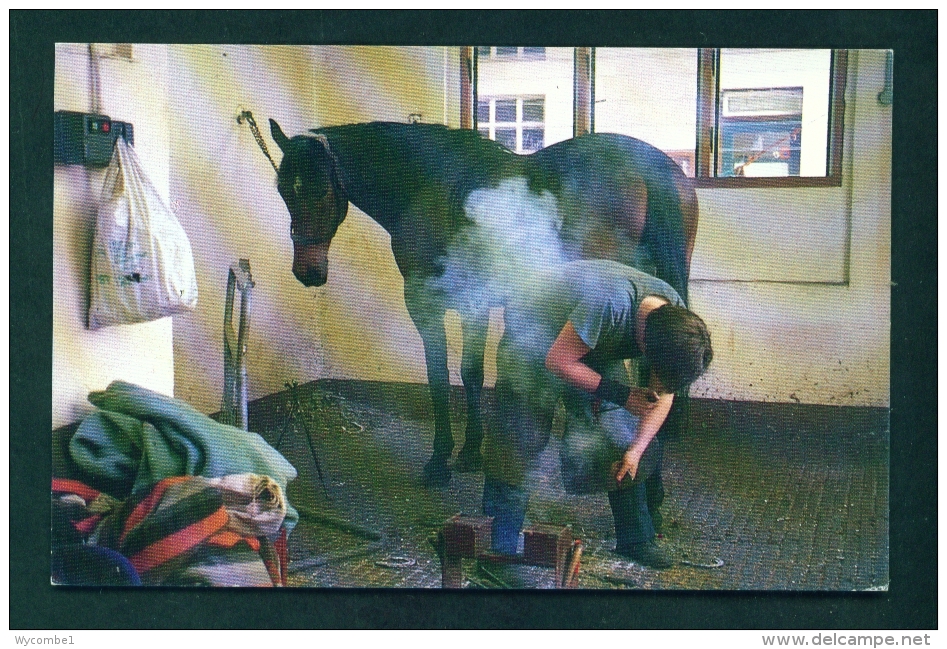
(641, 401)
(628, 465)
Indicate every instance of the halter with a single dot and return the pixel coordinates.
(297, 239)
(300, 240)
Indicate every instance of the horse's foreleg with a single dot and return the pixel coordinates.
(437, 470)
(428, 317)
(475, 326)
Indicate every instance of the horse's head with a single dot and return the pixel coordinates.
(308, 182)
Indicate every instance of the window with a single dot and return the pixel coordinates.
(515, 122)
(524, 96)
(511, 52)
(773, 112)
(728, 117)
(665, 114)
(761, 132)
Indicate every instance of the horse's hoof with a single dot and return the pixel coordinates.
(469, 461)
(436, 474)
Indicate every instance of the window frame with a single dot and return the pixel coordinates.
(520, 55)
(708, 128)
(708, 116)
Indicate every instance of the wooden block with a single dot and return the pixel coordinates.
(467, 536)
(547, 545)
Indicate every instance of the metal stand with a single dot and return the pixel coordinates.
(293, 412)
(233, 410)
(468, 537)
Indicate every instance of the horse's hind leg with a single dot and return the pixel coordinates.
(427, 314)
(475, 326)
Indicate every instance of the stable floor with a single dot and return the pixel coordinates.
(759, 496)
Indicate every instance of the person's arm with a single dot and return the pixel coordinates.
(564, 359)
(648, 427)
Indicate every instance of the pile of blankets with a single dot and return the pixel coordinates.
(167, 496)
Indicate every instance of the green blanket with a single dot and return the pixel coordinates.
(139, 437)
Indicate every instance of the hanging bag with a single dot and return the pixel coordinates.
(142, 265)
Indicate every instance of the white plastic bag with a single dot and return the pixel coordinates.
(142, 265)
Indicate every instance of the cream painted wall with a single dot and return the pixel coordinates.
(798, 340)
(225, 191)
(84, 360)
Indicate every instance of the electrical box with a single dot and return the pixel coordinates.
(87, 138)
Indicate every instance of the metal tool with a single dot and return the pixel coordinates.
(234, 409)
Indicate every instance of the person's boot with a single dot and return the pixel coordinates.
(634, 531)
(647, 553)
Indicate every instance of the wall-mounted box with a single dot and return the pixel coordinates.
(87, 138)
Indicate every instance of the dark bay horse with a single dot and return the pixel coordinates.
(614, 196)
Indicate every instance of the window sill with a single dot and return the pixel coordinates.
(770, 183)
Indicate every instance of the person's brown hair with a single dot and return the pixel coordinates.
(677, 346)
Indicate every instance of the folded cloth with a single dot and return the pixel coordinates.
(139, 437)
(180, 533)
(254, 503)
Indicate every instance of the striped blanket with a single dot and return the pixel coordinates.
(186, 531)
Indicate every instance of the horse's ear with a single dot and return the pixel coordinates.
(278, 135)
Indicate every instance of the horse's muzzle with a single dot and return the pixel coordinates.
(311, 264)
(312, 277)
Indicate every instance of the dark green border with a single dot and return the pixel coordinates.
(911, 602)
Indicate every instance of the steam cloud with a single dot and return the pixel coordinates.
(513, 237)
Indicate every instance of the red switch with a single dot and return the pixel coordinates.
(105, 127)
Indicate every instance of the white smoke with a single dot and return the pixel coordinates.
(513, 236)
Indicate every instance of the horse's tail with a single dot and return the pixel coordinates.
(671, 226)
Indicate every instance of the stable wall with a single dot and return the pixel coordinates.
(131, 90)
(224, 191)
(794, 284)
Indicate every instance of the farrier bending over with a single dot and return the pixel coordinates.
(568, 336)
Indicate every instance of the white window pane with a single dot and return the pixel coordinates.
(774, 112)
(532, 140)
(506, 137)
(505, 110)
(483, 111)
(650, 94)
(533, 110)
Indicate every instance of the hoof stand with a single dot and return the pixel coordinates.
(468, 537)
